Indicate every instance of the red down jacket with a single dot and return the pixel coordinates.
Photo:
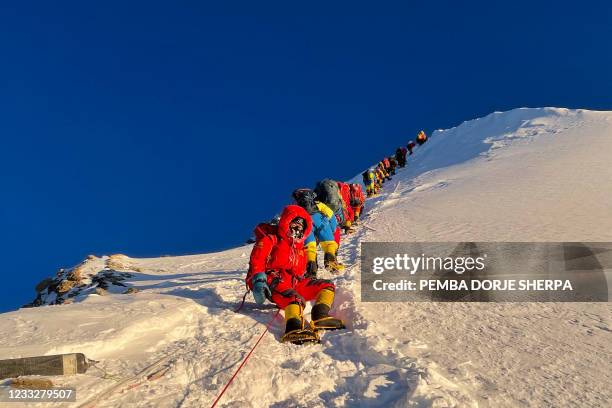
(274, 250)
(357, 196)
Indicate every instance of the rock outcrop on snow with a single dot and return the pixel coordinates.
(94, 275)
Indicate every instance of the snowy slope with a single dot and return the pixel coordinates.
(527, 174)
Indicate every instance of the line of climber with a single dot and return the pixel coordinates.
(374, 178)
(283, 264)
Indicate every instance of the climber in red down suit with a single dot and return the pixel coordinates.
(276, 272)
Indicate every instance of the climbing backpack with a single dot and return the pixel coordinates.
(327, 192)
(305, 198)
(264, 230)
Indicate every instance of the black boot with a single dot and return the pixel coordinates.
(311, 270)
(347, 230)
(330, 261)
(295, 332)
(321, 320)
(293, 325)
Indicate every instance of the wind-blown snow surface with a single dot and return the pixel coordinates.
(523, 175)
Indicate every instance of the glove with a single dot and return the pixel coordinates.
(311, 269)
(261, 291)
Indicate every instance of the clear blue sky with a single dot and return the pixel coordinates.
(152, 128)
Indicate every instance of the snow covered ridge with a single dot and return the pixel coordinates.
(482, 137)
(523, 175)
(501, 128)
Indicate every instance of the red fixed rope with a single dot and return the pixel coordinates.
(245, 359)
